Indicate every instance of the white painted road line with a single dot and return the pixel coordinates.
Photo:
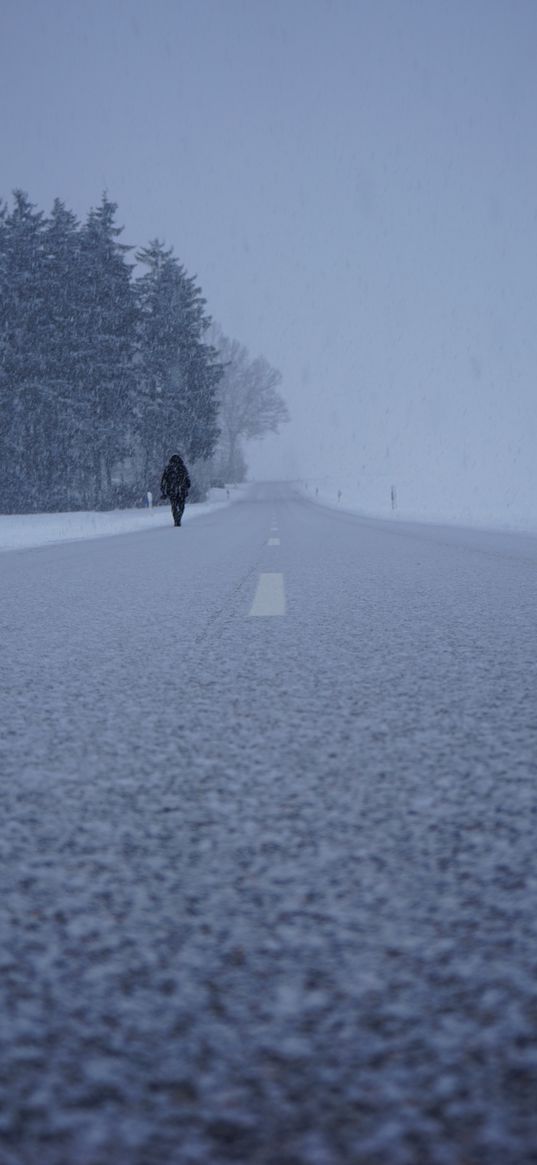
(269, 598)
(273, 542)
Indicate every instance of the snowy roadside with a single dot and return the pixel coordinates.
(22, 531)
(374, 501)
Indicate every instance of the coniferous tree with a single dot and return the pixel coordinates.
(107, 342)
(23, 328)
(158, 343)
(176, 406)
(68, 440)
(4, 384)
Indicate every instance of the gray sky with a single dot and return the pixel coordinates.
(353, 181)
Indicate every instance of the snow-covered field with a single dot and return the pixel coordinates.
(19, 531)
(372, 497)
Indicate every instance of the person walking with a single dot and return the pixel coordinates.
(174, 485)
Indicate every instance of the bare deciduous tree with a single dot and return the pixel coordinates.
(250, 404)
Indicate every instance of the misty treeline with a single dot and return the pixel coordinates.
(108, 365)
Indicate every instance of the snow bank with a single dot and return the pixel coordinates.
(18, 531)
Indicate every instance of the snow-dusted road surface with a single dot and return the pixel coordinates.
(268, 890)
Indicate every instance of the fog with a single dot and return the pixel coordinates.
(354, 184)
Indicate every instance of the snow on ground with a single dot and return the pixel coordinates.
(268, 889)
(19, 531)
(269, 885)
(371, 496)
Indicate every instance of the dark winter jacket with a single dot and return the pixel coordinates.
(175, 482)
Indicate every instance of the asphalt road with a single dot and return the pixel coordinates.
(268, 889)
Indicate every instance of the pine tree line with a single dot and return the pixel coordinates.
(102, 374)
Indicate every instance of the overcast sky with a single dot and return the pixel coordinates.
(353, 181)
